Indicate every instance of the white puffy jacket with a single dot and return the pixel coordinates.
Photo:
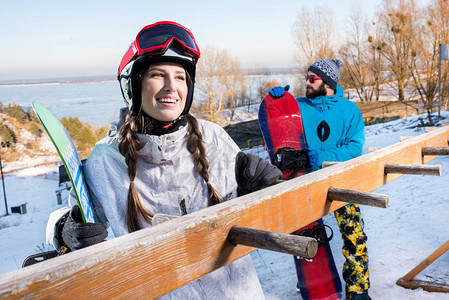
(166, 176)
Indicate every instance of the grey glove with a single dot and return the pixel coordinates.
(253, 173)
(76, 235)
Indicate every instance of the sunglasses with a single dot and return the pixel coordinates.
(156, 38)
(312, 78)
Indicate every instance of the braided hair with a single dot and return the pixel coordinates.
(129, 146)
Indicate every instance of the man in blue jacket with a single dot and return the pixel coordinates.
(334, 131)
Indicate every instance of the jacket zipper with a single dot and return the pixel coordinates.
(322, 114)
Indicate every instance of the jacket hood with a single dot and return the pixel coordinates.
(114, 127)
(339, 92)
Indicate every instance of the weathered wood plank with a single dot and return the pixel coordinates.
(156, 260)
(281, 242)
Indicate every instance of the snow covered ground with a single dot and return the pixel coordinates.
(399, 237)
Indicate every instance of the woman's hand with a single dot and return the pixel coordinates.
(253, 173)
(76, 234)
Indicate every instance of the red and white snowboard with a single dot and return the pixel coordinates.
(281, 125)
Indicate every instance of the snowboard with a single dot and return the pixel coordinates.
(70, 159)
(281, 124)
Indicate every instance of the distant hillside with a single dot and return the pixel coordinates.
(25, 141)
(23, 138)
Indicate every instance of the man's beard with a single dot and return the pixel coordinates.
(311, 93)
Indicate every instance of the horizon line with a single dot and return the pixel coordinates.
(92, 78)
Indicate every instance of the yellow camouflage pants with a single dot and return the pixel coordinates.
(355, 268)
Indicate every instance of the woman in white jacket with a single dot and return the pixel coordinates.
(158, 158)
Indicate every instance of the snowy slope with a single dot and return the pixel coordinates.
(399, 237)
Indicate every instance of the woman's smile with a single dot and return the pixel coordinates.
(164, 91)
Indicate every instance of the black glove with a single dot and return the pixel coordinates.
(76, 235)
(289, 159)
(253, 173)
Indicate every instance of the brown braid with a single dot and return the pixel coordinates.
(128, 147)
(196, 147)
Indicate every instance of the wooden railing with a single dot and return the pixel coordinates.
(154, 261)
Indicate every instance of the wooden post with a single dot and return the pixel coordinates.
(435, 151)
(433, 170)
(287, 243)
(350, 196)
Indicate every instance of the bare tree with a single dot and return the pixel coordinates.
(423, 62)
(398, 20)
(314, 35)
(265, 87)
(356, 72)
(299, 85)
(439, 14)
(376, 60)
(257, 73)
(434, 30)
(250, 97)
(217, 74)
(234, 81)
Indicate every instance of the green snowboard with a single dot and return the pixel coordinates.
(70, 158)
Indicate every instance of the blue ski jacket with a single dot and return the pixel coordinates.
(333, 127)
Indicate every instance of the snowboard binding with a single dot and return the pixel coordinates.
(37, 258)
(319, 233)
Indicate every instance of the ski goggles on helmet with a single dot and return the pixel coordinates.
(155, 39)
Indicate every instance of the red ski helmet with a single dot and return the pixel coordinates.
(164, 41)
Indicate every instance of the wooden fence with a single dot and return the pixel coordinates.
(154, 261)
